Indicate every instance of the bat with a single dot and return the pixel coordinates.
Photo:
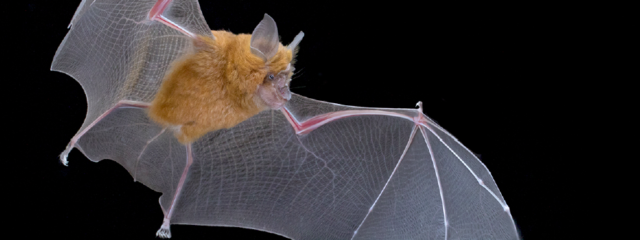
(284, 164)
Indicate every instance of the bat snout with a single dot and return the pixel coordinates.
(285, 93)
(274, 95)
(283, 90)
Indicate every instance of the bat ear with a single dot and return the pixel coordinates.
(296, 41)
(264, 39)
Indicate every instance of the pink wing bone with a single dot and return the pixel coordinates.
(311, 124)
(304, 127)
(156, 15)
(420, 122)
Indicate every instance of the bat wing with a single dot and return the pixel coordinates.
(116, 52)
(316, 170)
(358, 177)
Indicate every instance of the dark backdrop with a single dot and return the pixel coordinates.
(497, 77)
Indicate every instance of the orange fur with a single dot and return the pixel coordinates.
(214, 87)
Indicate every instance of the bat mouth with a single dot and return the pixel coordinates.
(284, 93)
(274, 91)
(274, 95)
(282, 96)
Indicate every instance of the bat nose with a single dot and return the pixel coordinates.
(285, 92)
(283, 89)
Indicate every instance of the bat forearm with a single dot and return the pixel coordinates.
(311, 124)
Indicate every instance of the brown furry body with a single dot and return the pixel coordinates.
(215, 86)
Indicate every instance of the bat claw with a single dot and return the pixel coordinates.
(64, 155)
(63, 160)
(419, 105)
(164, 231)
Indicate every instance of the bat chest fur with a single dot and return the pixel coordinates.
(214, 87)
(198, 101)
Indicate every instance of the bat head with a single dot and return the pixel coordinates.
(274, 91)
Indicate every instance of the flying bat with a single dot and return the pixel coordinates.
(207, 119)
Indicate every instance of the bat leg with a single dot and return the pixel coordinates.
(155, 14)
(74, 140)
(165, 231)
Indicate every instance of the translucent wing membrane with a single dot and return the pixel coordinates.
(117, 53)
(321, 185)
(410, 207)
(152, 156)
(315, 170)
(84, 5)
(473, 205)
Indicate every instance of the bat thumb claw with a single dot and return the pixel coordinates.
(64, 155)
(63, 160)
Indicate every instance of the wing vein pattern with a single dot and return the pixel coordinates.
(413, 132)
(435, 171)
(356, 177)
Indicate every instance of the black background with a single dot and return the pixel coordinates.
(500, 78)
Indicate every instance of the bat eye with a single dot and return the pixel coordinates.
(271, 77)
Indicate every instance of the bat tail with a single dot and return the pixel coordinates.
(164, 231)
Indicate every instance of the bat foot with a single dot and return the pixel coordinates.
(164, 231)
